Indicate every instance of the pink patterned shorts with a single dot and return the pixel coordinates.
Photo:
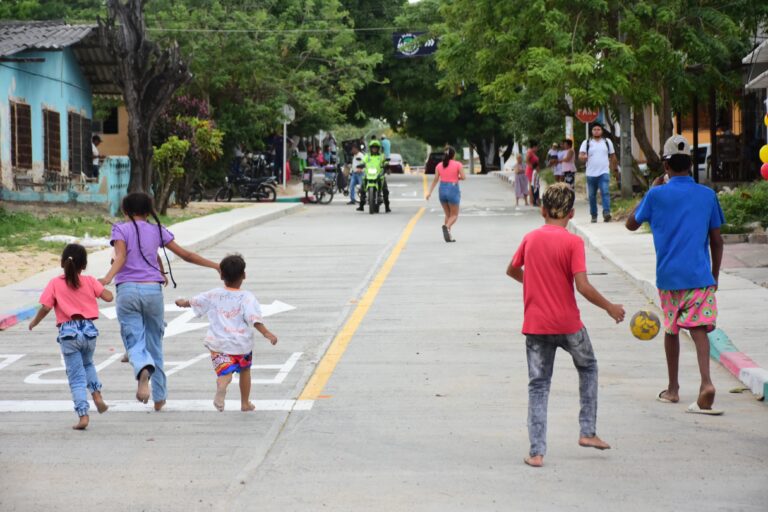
(688, 308)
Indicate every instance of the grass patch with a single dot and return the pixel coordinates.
(621, 208)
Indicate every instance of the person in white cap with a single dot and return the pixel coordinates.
(685, 219)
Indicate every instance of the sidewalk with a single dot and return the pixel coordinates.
(741, 301)
(195, 234)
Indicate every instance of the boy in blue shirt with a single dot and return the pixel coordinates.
(685, 219)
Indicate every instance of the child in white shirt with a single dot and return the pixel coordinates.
(231, 313)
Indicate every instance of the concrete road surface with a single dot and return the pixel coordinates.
(420, 405)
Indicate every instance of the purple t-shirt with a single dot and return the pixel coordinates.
(136, 269)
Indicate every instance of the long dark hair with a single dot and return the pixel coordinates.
(139, 203)
(74, 259)
(448, 155)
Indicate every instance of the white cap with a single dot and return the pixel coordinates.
(676, 145)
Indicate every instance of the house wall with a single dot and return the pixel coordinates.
(116, 143)
(56, 84)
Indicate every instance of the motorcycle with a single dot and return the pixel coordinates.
(373, 179)
(263, 188)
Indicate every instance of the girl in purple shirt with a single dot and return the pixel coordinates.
(139, 275)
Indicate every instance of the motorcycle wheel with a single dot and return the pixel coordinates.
(223, 194)
(372, 200)
(266, 193)
(325, 195)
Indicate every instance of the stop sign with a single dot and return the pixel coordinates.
(586, 115)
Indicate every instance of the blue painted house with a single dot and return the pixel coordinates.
(49, 72)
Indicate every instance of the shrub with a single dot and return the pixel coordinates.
(744, 205)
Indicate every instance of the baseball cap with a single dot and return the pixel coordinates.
(676, 145)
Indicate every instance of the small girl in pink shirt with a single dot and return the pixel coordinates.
(73, 298)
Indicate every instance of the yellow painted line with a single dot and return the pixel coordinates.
(424, 182)
(314, 388)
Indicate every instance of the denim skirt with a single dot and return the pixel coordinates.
(450, 193)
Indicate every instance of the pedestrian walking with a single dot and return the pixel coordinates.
(139, 275)
(448, 173)
(73, 296)
(356, 173)
(548, 263)
(232, 315)
(568, 163)
(521, 182)
(600, 156)
(532, 164)
(685, 220)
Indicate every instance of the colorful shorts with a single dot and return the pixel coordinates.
(224, 364)
(688, 308)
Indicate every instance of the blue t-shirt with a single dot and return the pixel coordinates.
(681, 213)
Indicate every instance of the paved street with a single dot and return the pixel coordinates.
(424, 411)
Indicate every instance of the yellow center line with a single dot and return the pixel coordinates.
(314, 388)
(424, 182)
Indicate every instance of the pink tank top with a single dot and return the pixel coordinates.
(449, 174)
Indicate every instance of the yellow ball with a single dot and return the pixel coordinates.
(645, 325)
(764, 154)
(765, 119)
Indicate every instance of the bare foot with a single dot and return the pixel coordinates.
(82, 424)
(594, 442)
(125, 358)
(706, 397)
(535, 461)
(142, 392)
(247, 406)
(159, 404)
(668, 396)
(218, 400)
(99, 402)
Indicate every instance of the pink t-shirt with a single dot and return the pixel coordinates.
(531, 160)
(449, 174)
(552, 257)
(67, 302)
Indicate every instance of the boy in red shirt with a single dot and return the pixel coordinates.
(553, 259)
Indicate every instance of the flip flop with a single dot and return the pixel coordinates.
(662, 399)
(695, 409)
(446, 233)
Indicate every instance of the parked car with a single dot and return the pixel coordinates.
(395, 163)
(433, 159)
(702, 159)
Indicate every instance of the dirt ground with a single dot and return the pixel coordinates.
(20, 265)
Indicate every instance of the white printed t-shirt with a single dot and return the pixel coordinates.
(231, 314)
(598, 161)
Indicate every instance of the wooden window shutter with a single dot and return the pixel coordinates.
(52, 140)
(87, 150)
(21, 136)
(75, 143)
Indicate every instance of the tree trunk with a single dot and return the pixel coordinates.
(665, 116)
(641, 135)
(625, 116)
(148, 77)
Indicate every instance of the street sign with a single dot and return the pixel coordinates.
(586, 115)
(289, 113)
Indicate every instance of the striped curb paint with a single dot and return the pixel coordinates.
(18, 315)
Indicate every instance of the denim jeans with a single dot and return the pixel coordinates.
(601, 182)
(78, 342)
(355, 178)
(140, 311)
(541, 360)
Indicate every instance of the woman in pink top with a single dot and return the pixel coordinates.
(73, 297)
(532, 164)
(448, 173)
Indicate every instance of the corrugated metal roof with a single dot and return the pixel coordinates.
(97, 64)
(18, 36)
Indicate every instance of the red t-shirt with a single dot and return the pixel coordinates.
(552, 257)
(532, 160)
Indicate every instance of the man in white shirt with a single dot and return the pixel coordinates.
(96, 162)
(356, 172)
(600, 156)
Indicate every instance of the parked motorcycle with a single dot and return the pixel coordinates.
(263, 188)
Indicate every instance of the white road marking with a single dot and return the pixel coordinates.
(35, 378)
(177, 366)
(282, 370)
(205, 405)
(9, 359)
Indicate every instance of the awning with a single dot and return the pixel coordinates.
(759, 54)
(759, 82)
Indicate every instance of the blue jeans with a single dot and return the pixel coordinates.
(540, 351)
(78, 342)
(602, 182)
(355, 178)
(140, 311)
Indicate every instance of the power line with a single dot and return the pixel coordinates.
(267, 30)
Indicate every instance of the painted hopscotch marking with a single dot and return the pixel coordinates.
(283, 369)
(9, 359)
(171, 406)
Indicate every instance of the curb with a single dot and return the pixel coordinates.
(721, 348)
(11, 318)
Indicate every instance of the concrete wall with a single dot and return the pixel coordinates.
(56, 84)
(116, 143)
